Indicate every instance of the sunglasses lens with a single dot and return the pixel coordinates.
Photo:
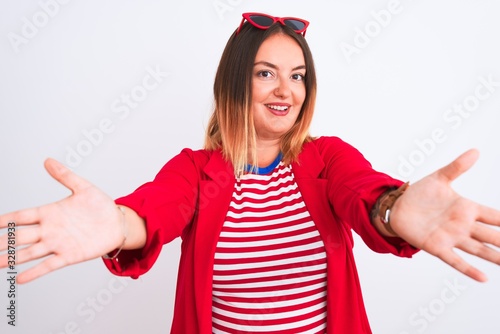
(295, 24)
(262, 20)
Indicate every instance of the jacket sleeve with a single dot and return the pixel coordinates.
(354, 187)
(167, 204)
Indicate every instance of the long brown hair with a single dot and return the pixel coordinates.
(231, 126)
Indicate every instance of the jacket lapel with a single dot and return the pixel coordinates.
(308, 173)
(215, 191)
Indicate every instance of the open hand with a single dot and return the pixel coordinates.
(433, 217)
(83, 226)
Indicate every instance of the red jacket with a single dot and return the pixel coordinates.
(190, 197)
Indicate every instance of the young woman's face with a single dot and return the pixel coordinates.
(278, 88)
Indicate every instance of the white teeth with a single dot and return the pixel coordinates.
(279, 108)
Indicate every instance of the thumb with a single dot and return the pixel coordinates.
(459, 166)
(65, 176)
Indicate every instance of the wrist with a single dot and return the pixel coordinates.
(115, 253)
(381, 214)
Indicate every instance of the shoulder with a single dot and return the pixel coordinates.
(196, 156)
(189, 161)
(327, 141)
(328, 146)
(334, 154)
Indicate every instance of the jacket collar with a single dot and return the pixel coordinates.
(218, 167)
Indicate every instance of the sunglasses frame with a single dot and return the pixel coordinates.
(247, 17)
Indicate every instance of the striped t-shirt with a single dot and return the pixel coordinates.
(270, 262)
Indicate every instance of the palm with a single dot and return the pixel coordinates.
(433, 217)
(83, 226)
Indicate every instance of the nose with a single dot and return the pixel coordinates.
(282, 89)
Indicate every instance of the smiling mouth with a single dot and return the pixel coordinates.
(278, 108)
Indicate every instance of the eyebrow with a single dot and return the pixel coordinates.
(266, 63)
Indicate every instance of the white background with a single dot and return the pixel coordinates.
(65, 76)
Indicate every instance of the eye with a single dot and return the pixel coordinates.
(265, 74)
(298, 77)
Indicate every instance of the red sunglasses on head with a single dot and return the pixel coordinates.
(264, 21)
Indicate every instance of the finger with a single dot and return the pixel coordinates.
(459, 166)
(21, 217)
(488, 215)
(65, 176)
(23, 255)
(4, 261)
(486, 234)
(481, 250)
(7, 259)
(22, 237)
(30, 253)
(451, 258)
(46, 266)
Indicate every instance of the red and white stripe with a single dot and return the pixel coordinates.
(270, 262)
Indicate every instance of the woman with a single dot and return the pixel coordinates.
(265, 211)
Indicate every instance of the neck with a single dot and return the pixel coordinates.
(267, 151)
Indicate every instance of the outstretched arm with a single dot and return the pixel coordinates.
(80, 227)
(431, 216)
